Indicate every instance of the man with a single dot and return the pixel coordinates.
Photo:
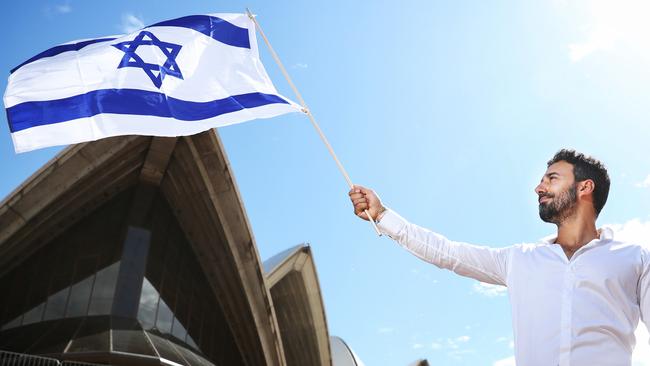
(577, 297)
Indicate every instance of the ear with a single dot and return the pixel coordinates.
(586, 187)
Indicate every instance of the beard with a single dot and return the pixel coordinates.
(562, 206)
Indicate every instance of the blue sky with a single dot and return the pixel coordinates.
(448, 109)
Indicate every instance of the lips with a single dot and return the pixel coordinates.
(543, 199)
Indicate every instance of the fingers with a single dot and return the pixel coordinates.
(361, 205)
(356, 190)
(355, 196)
(360, 191)
(365, 190)
(359, 200)
(362, 199)
(356, 201)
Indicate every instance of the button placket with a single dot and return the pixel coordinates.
(566, 316)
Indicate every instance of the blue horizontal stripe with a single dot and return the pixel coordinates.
(128, 101)
(216, 28)
(62, 48)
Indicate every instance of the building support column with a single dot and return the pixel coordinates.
(137, 239)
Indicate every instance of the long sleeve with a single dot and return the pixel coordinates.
(644, 289)
(481, 263)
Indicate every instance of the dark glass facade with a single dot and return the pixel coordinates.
(74, 275)
(62, 300)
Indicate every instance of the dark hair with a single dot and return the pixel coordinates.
(586, 167)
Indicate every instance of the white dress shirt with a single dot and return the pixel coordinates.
(577, 312)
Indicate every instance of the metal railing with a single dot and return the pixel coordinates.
(20, 359)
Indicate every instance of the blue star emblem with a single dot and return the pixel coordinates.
(155, 72)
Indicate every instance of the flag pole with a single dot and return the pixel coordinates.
(308, 113)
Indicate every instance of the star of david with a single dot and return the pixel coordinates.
(155, 72)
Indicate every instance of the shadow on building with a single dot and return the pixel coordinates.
(136, 250)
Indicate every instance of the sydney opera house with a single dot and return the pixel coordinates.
(136, 250)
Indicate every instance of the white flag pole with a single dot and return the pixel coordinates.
(308, 113)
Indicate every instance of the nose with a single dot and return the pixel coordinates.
(540, 189)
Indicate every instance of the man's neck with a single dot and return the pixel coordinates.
(574, 233)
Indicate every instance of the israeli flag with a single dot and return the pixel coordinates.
(177, 77)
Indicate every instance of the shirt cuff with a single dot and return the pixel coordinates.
(391, 223)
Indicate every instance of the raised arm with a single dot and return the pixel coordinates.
(479, 262)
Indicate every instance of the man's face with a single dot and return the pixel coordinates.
(557, 193)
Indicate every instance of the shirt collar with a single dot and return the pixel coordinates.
(549, 239)
(606, 234)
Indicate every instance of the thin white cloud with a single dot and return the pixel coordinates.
(609, 24)
(300, 65)
(489, 290)
(508, 361)
(633, 231)
(459, 352)
(417, 345)
(63, 8)
(645, 183)
(58, 9)
(456, 343)
(385, 330)
(450, 344)
(423, 275)
(511, 343)
(131, 23)
(463, 339)
(598, 40)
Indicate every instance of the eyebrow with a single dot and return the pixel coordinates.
(551, 174)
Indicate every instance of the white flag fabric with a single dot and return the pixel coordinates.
(177, 77)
